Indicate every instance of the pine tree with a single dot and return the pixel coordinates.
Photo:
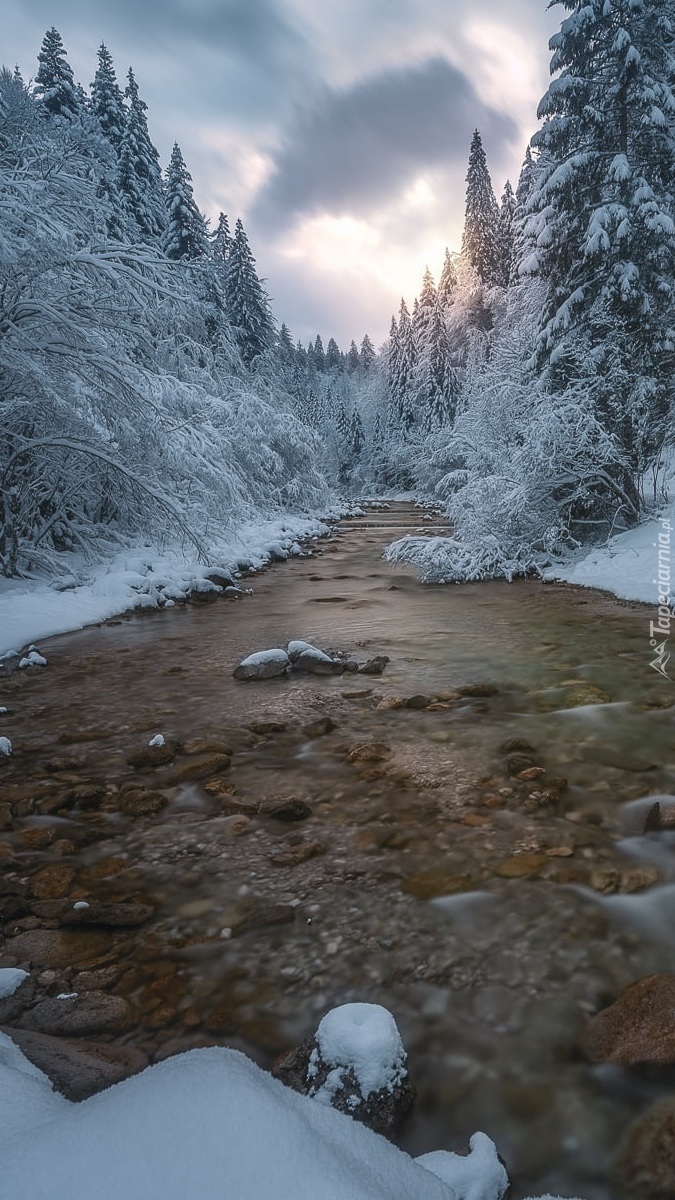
(357, 437)
(221, 242)
(247, 301)
(333, 356)
(107, 103)
(54, 82)
(402, 371)
(447, 283)
(505, 235)
(523, 241)
(367, 354)
(185, 235)
(319, 355)
(139, 176)
(352, 357)
(424, 308)
(603, 222)
(479, 241)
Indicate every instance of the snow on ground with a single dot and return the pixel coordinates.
(209, 1124)
(628, 565)
(146, 577)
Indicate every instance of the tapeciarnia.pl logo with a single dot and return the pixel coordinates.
(657, 629)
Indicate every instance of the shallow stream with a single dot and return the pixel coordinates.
(489, 913)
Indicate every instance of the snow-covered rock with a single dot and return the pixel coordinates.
(157, 740)
(297, 647)
(264, 664)
(5, 747)
(314, 661)
(11, 979)
(355, 1063)
(32, 659)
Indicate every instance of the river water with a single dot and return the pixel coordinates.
(490, 914)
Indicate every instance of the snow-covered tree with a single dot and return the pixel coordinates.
(107, 102)
(353, 356)
(447, 282)
(602, 220)
(402, 361)
(185, 237)
(139, 176)
(366, 353)
(333, 356)
(481, 220)
(247, 301)
(54, 82)
(505, 235)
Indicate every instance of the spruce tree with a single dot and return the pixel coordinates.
(247, 301)
(505, 235)
(447, 283)
(356, 435)
(319, 355)
(185, 236)
(424, 308)
(221, 242)
(603, 222)
(333, 356)
(54, 82)
(352, 357)
(107, 102)
(481, 222)
(403, 369)
(367, 354)
(139, 177)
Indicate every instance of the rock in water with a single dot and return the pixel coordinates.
(264, 664)
(638, 1027)
(646, 1162)
(315, 662)
(355, 1063)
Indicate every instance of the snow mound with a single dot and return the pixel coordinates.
(32, 659)
(157, 740)
(5, 747)
(194, 1126)
(478, 1175)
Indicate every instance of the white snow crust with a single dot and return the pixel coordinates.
(11, 978)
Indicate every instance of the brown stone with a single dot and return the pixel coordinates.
(520, 866)
(149, 757)
(215, 764)
(297, 854)
(37, 837)
(59, 947)
(531, 773)
(475, 820)
(320, 727)
(50, 883)
(478, 691)
(638, 1027)
(494, 801)
(418, 701)
(437, 881)
(85, 795)
(109, 915)
(5, 815)
(606, 880)
(645, 1165)
(78, 1070)
(516, 746)
(374, 666)
(369, 752)
(206, 746)
(218, 786)
(639, 878)
(80, 1015)
(289, 808)
(142, 803)
(262, 728)
(389, 703)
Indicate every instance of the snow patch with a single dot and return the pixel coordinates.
(11, 979)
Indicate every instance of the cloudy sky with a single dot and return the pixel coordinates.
(337, 129)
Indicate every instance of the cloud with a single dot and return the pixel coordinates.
(356, 147)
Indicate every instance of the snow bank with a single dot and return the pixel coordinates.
(145, 578)
(628, 565)
(211, 1124)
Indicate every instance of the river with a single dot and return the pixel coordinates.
(491, 914)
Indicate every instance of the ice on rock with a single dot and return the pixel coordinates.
(158, 740)
(11, 978)
(478, 1175)
(5, 747)
(296, 648)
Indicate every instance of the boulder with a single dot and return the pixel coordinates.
(80, 1015)
(149, 757)
(78, 1071)
(315, 662)
(638, 1027)
(645, 1164)
(374, 666)
(264, 664)
(58, 947)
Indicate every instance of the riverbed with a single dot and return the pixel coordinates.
(491, 911)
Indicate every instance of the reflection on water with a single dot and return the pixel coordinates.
(491, 984)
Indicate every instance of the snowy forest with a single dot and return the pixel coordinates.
(147, 388)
